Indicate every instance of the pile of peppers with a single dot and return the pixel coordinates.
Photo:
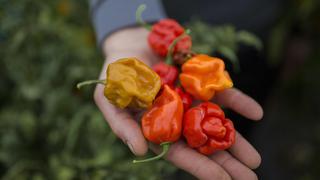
(176, 93)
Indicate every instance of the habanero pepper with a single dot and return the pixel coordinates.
(163, 33)
(162, 123)
(185, 97)
(168, 74)
(129, 83)
(202, 76)
(207, 130)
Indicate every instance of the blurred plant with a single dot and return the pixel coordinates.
(300, 19)
(295, 104)
(47, 127)
(295, 107)
(50, 129)
(224, 39)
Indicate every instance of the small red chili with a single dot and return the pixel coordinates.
(185, 97)
(168, 74)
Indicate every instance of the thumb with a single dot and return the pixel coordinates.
(122, 124)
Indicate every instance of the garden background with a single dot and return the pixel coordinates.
(51, 130)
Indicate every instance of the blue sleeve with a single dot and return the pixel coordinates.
(110, 15)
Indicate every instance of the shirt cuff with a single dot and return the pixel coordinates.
(111, 15)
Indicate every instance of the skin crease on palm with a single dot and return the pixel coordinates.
(234, 163)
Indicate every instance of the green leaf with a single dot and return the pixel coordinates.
(228, 53)
(249, 39)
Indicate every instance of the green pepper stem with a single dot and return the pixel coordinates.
(165, 149)
(139, 19)
(84, 83)
(172, 46)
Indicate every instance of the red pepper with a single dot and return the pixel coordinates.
(163, 33)
(162, 124)
(206, 128)
(168, 74)
(185, 97)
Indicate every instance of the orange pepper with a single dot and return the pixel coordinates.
(203, 75)
(162, 123)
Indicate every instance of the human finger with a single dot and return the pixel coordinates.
(235, 168)
(193, 162)
(239, 102)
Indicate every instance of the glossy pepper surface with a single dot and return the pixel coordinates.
(203, 75)
(131, 83)
(163, 33)
(206, 128)
(163, 122)
(168, 74)
(185, 97)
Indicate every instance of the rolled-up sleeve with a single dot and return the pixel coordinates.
(110, 15)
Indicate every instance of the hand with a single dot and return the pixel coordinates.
(236, 163)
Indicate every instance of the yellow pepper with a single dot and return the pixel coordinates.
(203, 75)
(129, 83)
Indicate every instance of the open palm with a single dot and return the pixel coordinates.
(235, 163)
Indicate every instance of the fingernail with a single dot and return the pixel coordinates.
(130, 147)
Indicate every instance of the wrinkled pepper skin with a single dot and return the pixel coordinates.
(168, 74)
(163, 121)
(185, 97)
(202, 76)
(131, 83)
(207, 130)
(163, 33)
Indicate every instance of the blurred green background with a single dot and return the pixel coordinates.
(50, 130)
